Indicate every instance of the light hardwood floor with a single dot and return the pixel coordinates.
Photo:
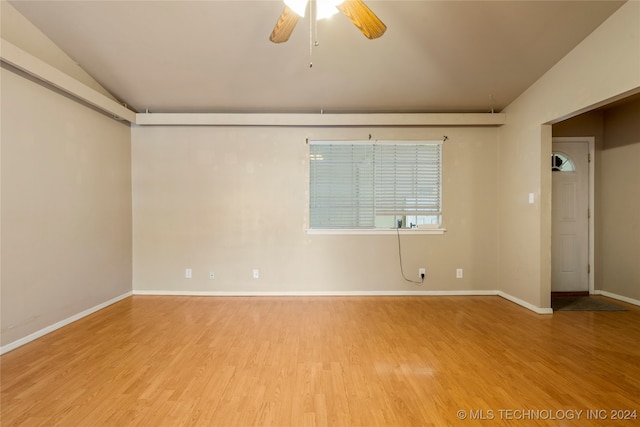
(327, 361)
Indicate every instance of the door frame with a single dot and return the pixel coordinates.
(591, 141)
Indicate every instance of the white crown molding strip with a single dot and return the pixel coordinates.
(22, 341)
(27, 63)
(618, 297)
(23, 61)
(321, 120)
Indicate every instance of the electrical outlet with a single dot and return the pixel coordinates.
(188, 273)
(422, 273)
(212, 275)
(459, 273)
(256, 273)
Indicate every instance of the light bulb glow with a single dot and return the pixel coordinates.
(298, 6)
(325, 9)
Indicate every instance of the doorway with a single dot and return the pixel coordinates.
(571, 215)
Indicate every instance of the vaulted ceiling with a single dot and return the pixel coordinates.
(215, 56)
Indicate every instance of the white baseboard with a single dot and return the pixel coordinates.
(22, 341)
(525, 304)
(618, 297)
(347, 293)
(311, 293)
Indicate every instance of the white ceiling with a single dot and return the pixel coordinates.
(215, 56)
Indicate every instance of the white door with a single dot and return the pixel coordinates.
(570, 217)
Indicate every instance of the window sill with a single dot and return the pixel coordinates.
(376, 231)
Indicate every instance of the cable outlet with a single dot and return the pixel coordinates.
(188, 273)
(211, 275)
(421, 273)
(256, 273)
(459, 273)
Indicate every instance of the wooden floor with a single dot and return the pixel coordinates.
(327, 361)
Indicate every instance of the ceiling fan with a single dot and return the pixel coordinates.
(357, 12)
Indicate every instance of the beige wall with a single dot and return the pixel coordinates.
(230, 199)
(605, 65)
(66, 208)
(587, 124)
(620, 201)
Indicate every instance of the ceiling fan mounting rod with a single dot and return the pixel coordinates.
(311, 13)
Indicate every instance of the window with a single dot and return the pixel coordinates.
(561, 163)
(375, 185)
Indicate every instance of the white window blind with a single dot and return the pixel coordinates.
(374, 185)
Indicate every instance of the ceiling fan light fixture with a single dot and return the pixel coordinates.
(298, 6)
(355, 10)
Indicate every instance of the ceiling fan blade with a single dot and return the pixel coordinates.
(363, 18)
(285, 25)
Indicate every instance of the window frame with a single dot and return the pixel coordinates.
(421, 229)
